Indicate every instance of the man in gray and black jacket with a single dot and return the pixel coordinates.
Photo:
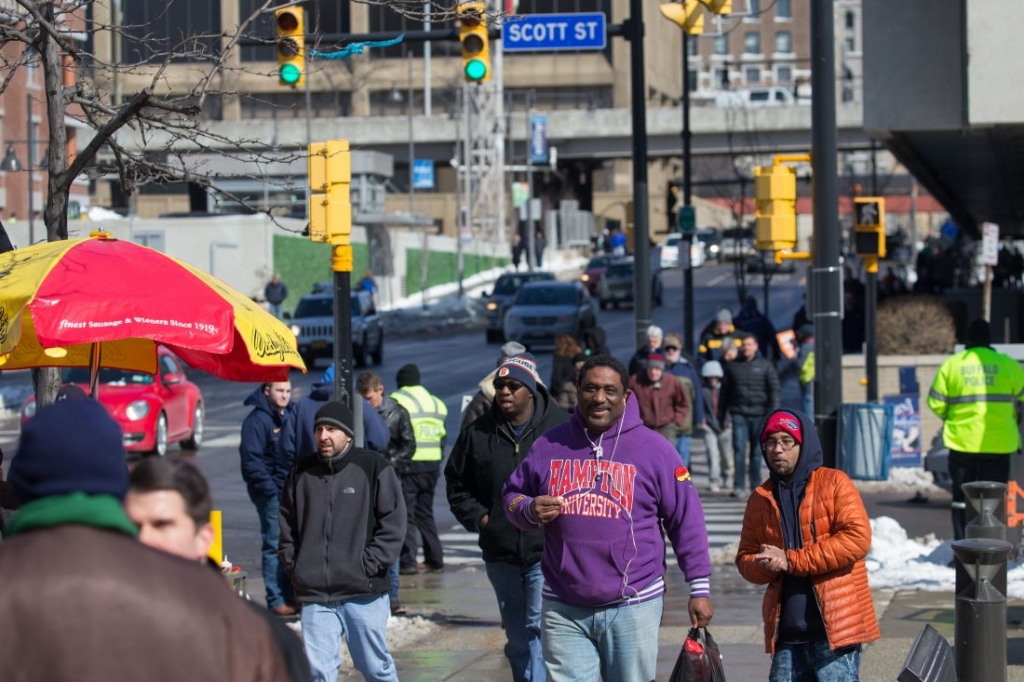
(486, 453)
(342, 526)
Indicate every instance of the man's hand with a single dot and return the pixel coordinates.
(772, 559)
(701, 611)
(484, 521)
(546, 508)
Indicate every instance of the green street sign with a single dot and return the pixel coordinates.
(686, 219)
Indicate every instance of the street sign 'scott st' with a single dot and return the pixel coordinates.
(586, 31)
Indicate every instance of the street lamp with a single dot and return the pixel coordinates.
(11, 163)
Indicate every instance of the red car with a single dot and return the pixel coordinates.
(152, 411)
(592, 274)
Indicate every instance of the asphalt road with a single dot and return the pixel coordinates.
(451, 364)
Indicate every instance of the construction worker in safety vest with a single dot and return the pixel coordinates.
(419, 477)
(975, 393)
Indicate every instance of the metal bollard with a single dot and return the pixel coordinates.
(979, 631)
(985, 513)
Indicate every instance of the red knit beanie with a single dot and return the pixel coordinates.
(783, 421)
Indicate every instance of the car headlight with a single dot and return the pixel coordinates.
(493, 305)
(136, 410)
(296, 329)
(29, 410)
(714, 248)
(585, 277)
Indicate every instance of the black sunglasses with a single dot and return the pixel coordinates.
(512, 386)
(671, 347)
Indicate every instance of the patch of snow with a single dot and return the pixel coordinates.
(902, 480)
(403, 631)
(99, 213)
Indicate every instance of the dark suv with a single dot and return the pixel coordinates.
(617, 284)
(313, 326)
(498, 301)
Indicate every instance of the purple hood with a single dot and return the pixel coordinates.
(607, 547)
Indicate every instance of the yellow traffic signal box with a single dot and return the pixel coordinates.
(718, 6)
(471, 21)
(775, 192)
(687, 14)
(869, 226)
(330, 206)
(290, 32)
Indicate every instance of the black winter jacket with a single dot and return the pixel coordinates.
(751, 387)
(342, 525)
(264, 458)
(483, 458)
(402, 445)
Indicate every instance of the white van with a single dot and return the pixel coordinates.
(769, 96)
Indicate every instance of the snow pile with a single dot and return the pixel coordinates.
(901, 479)
(98, 213)
(897, 562)
(402, 632)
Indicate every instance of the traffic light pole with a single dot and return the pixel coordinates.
(687, 243)
(826, 283)
(633, 31)
(870, 328)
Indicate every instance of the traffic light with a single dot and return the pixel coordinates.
(869, 226)
(686, 14)
(330, 206)
(291, 47)
(476, 45)
(718, 6)
(775, 191)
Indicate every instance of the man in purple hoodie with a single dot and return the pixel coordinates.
(601, 486)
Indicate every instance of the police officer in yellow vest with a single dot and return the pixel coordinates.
(976, 393)
(419, 478)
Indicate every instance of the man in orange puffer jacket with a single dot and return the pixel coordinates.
(805, 536)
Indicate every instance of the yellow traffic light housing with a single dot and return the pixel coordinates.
(718, 6)
(687, 14)
(290, 30)
(775, 191)
(330, 206)
(471, 21)
(869, 226)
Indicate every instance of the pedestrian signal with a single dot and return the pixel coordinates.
(869, 226)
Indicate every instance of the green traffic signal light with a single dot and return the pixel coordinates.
(290, 74)
(476, 69)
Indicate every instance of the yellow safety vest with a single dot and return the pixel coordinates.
(427, 414)
(975, 392)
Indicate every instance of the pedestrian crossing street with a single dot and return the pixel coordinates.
(723, 516)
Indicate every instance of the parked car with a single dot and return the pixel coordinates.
(764, 261)
(737, 243)
(595, 268)
(499, 300)
(936, 460)
(770, 96)
(669, 257)
(712, 240)
(543, 310)
(313, 326)
(618, 284)
(152, 411)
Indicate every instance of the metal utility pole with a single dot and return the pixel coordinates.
(412, 144)
(687, 241)
(531, 227)
(633, 31)
(827, 281)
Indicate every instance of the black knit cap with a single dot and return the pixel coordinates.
(979, 333)
(68, 447)
(336, 414)
(408, 375)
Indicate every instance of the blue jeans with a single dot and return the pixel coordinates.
(618, 644)
(746, 431)
(278, 589)
(683, 448)
(518, 590)
(815, 662)
(275, 310)
(807, 399)
(362, 621)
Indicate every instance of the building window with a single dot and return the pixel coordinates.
(784, 42)
(851, 20)
(784, 74)
(721, 77)
(157, 30)
(851, 44)
(752, 43)
(691, 80)
(752, 75)
(783, 9)
(322, 16)
(753, 9)
(722, 44)
(691, 45)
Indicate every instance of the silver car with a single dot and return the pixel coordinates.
(543, 310)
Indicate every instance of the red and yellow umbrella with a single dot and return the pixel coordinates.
(106, 302)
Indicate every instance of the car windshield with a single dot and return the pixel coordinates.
(508, 286)
(739, 233)
(710, 236)
(546, 296)
(599, 262)
(322, 307)
(673, 240)
(115, 377)
(619, 270)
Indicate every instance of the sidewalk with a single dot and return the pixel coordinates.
(466, 641)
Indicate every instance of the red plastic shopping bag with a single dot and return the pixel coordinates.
(699, 659)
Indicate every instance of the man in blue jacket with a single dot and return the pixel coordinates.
(265, 463)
